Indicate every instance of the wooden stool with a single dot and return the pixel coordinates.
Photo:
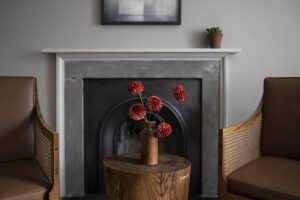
(127, 179)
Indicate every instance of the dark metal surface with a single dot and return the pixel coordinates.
(108, 130)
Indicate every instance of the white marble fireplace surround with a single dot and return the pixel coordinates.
(212, 70)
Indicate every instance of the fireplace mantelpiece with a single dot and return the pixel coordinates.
(64, 56)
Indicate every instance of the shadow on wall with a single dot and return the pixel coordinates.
(97, 12)
(198, 39)
(47, 90)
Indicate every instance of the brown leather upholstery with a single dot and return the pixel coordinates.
(281, 118)
(16, 106)
(270, 178)
(22, 180)
(28, 147)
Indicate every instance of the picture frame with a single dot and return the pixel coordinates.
(141, 12)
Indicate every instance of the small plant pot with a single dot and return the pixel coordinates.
(214, 39)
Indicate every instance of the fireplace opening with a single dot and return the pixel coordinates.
(118, 134)
(108, 130)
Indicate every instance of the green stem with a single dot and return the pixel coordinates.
(140, 96)
(156, 115)
(159, 120)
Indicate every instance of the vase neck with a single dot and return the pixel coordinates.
(150, 125)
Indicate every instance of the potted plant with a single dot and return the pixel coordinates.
(214, 37)
(147, 109)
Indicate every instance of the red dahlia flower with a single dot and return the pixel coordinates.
(135, 88)
(154, 103)
(179, 93)
(137, 111)
(163, 130)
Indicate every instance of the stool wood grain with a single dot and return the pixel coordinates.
(127, 179)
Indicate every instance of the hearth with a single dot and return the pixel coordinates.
(108, 130)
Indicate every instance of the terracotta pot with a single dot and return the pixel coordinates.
(149, 153)
(215, 39)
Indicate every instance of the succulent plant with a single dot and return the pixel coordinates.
(214, 30)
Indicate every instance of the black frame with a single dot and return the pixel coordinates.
(105, 21)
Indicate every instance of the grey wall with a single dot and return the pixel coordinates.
(266, 30)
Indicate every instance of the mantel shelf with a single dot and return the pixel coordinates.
(177, 50)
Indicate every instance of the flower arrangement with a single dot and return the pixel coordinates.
(152, 107)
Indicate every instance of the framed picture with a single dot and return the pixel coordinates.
(151, 12)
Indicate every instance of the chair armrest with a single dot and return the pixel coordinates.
(46, 151)
(240, 144)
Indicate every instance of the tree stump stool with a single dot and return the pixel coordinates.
(127, 179)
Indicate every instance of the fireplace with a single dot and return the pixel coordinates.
(90, 86)
(84, 125)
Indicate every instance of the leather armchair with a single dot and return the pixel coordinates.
(260, 157)
(28, 147)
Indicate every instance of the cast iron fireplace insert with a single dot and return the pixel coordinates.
(109, 131)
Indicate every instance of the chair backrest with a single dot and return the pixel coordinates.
(16, 110)
(281, 117)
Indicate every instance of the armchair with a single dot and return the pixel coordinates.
(260, 157)
(28, 147)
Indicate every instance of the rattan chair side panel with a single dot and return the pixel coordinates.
(43, 151)
(241, 146)
(46, 149)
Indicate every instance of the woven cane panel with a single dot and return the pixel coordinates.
(43, 151)
(242, 146)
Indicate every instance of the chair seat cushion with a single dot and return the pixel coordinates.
(22, 180)
(270, 178)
